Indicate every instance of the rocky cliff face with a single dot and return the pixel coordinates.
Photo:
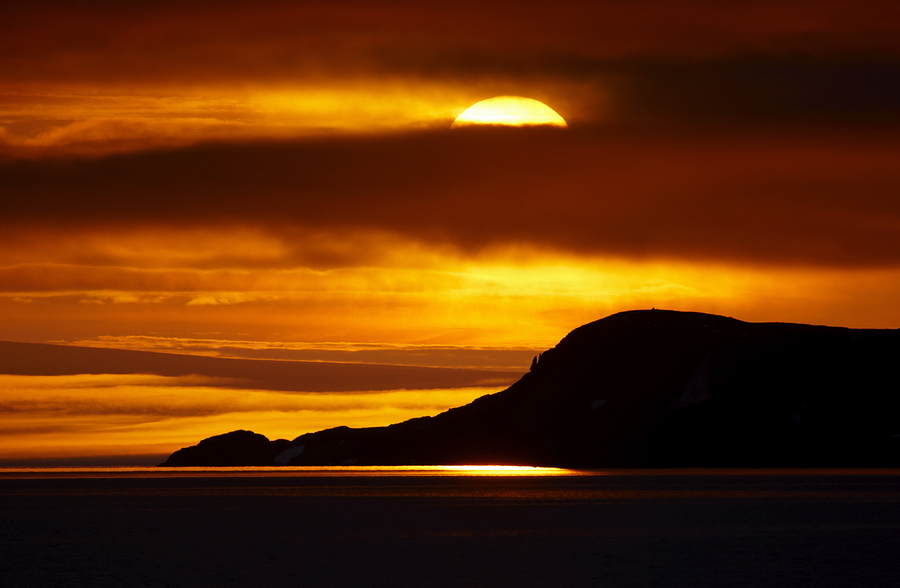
(658, 388)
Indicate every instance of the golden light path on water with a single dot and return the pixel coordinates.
(480, 482)
(418, 471)
(290, 471)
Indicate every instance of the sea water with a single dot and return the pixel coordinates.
(441, 526)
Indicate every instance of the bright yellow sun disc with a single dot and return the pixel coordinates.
(509, 111)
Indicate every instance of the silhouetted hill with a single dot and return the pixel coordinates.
(657, 388)
(237, 448)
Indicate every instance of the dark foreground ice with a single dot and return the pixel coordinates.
(695, 530)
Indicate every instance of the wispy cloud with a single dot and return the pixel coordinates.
(133, 414)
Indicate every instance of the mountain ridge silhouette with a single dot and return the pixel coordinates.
(643, 388)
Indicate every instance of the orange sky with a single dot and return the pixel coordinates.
(220, 179)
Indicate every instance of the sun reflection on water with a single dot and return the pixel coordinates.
(487, 470)
(285, 471)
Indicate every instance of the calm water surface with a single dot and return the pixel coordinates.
(447, 527)
(486, 481)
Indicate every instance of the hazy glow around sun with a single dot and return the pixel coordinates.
(509, 111)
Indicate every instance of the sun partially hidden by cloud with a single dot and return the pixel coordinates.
(513, 111)
(71, 120)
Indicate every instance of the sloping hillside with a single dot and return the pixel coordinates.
(652, 388)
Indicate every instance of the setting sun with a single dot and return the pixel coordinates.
(513, 111)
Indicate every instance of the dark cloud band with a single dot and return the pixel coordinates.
(815, 198)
